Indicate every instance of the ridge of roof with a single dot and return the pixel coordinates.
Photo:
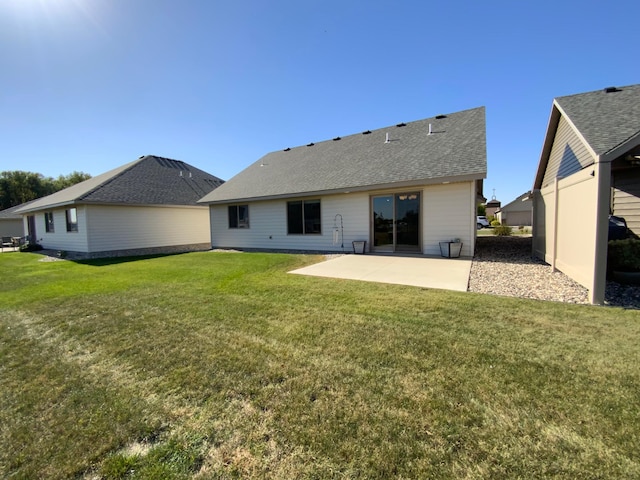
(606, 118)
(148, 180)
(444, 146)
(115, 173)
(70, 194)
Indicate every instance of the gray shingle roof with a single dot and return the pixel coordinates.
(605, 120)
(150, 180)
(456, 149)
(10, 213)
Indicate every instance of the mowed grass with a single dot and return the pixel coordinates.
(222, 365)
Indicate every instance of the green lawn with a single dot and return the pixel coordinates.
(222, 365)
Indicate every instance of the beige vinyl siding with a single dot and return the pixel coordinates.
(515, 218)
(268, 225)
(626, 198)
(448, 213)
(10, 227)
(60, 239)
(568, 154)
(129, 227)
(565, 226)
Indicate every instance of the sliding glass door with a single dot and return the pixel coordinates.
(396, 222)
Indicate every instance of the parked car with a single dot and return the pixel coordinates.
(482, 222)
(617, 228)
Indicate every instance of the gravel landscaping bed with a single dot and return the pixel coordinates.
(504, 266)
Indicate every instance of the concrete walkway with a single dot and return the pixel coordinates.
(418, 271)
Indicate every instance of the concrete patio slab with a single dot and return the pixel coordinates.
(418, 271)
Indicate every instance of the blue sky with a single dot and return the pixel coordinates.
(89, 85)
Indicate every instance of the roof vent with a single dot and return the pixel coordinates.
(440, 117)
(401, 124)
(310, 144)
(367, 132)
(287, 149)
(611, 90)
(336, 139)
(387, 138)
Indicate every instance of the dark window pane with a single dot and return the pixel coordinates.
(294, 218)
(243, 216)
(233, 216)
(72, 220)
(312, 221)
(48, 221)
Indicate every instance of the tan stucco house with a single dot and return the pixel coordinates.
(402, 188)
(147, 206)
(589, 168)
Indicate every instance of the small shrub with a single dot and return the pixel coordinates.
(30, 247)
(624, 255)
(495, 223)
(502, 230)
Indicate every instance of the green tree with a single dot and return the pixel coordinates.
(64, 181)
(17, 187)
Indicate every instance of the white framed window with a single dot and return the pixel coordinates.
(72, 219)
(303, 217)
(48, 222)
(238, 216)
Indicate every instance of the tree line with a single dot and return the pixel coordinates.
(18, 187)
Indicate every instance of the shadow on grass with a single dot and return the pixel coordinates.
(53, 255)
(103, 262)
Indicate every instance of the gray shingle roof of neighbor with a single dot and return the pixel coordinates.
(10, 213)
(606, 118)
(149, 180)
(455, 150)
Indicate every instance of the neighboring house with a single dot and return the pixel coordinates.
(144, 207)
(518, 212)
(589, 168)
(11, 222)
(402, 188)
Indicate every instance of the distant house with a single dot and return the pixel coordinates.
(11, 222)
(589, 168)
(519, 212)
(402, 188)
(144, 207)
